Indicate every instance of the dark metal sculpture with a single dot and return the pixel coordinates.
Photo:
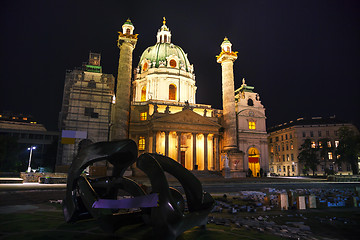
(96, 198)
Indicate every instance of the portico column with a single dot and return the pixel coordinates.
(205, 151)
(194, 151)
(216, 155)
(179, 147)
(167, 143)
(154, 142)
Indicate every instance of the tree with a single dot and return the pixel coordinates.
(308, 156)
(9, 159)
(348, 150)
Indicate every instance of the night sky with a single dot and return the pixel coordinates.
(302, 56)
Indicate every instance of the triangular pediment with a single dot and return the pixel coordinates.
(186, 119)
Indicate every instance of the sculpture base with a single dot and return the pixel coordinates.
(227, 173)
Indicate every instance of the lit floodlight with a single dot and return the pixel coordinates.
(30, 149)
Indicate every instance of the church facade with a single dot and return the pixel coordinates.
(156, 107)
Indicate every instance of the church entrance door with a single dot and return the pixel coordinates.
(254, 164)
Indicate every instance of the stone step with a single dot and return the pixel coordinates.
(11, 180)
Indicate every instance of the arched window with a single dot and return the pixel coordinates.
(141, 146)
(172, 92)
(145, 66)
(250, 102)
(160, 38)
(165, 38)
(128, 31)
(143, 94)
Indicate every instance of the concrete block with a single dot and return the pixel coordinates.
(301, 203)
(312, 201)
(284, 201)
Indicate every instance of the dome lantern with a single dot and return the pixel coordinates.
(164, 34)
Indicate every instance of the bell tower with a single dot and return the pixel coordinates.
(234, 166)
(120, 118)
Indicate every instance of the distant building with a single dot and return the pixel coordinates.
(85, 112)
(286, 139)
(28, 132)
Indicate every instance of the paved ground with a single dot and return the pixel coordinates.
(25, 211)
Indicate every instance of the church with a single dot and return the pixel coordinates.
(155, 105)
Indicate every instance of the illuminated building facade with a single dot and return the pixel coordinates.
(286, 139)
(165, 118)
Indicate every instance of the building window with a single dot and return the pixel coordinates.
(292, 157)
(330, 155)
(320, 144)
(143, 116)
(145, 66)
(313, 144)
(271, 149)
(336, 133)
(143, 94)
(284, 168)
(303, 134)
(270, 139)
(279, 168)
(141, 143)
(286, 137)
(319, 133)
(283, 158)
(311, 134)
(172, 63)
(252, 125)
(287, 146)
(282, 137)
(90, 113)
(290, 136)
(291, 145)
(329, 144)
(172, 92)
(336, 144)
(277, 139)
(92, 84)
(293, 168)
(250, 102)
(287, 157)
(282, 147)
(327, 133)
(128, 31)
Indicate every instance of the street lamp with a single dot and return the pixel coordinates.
(31, 150)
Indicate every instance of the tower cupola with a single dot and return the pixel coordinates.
(128, 27)
(164, 34)
(226, 45)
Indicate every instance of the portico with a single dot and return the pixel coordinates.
(187, 137)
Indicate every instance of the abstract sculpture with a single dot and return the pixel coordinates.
(164, 209)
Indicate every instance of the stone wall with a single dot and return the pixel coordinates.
(35, 177)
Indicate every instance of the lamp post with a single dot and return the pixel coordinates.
(31, 150)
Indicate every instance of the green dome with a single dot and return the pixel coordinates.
(160, 51)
